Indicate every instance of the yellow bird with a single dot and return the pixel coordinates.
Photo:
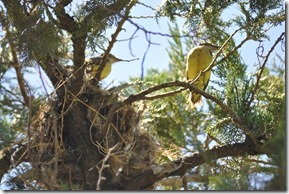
(93, 64)
(198, 59)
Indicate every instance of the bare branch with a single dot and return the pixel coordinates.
(16, 65)
(163, 95)
(147, 178)
(234, 50)
(113, 37)
(177, 181)
(220, 50)
(66, 21)
(279, 39)
(143, 95)
(8, 154)
(185, 183)
(104, 165)
(138, 27)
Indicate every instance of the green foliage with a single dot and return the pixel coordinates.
(277, 148)
(169, 118)
(12, 113)
(259, 101)
(33, 35)
(44, 42)
(229, 183)
(204, 17)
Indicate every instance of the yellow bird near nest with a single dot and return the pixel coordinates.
(93, 64)
(198, 59)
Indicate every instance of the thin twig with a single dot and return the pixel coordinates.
(263, 67)
(187, 85)
(235, 49)
(222, 47)
(212, 64)
(103, 166)
(163, 95)
(113, 37)
(154, 33)
(17, 66)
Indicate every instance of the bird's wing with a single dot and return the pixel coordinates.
(198, 59)
(206, 82)
(193, 63)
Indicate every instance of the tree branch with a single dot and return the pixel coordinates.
(66, 22)
(148, 178)
(16, 65)
(143, 95)
(262, 68)
(18, 154)
(163, 95)
(114, 36)
(7, 154)
(235, 49)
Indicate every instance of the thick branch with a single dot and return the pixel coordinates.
(66, 22)
(143, 95)
(148, 178)
(6, 156)
(79, 34)
(18, 154)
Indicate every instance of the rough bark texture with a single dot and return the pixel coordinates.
(87, 138)
(116, 153)
(136, 175)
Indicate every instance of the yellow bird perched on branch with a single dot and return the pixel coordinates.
(198, 59)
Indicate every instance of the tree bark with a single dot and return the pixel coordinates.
(149, 177)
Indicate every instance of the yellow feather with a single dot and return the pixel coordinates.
(105, 71)
(198, 59)
(93, 64)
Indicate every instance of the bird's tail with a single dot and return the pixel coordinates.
(195, 99)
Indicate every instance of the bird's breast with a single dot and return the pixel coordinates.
(198, 59)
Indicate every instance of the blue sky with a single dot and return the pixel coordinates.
(157, 56)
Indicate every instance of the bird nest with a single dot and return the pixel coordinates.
(127, 150)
